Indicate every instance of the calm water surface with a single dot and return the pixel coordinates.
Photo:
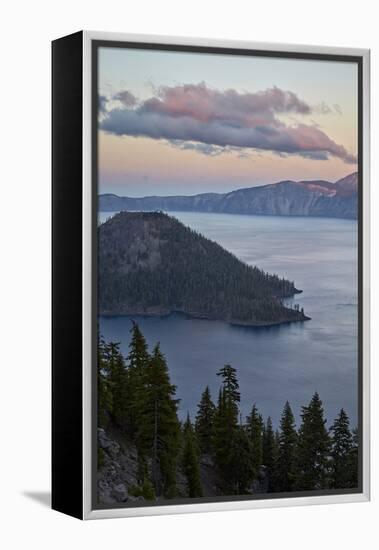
(277, 363)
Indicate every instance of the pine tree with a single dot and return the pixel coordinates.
(254, 425)
(137, 360)
(341, 452)
(158, 426)
(223, 430)
(118, 383)
(241, 473)
(204, 423)
(190, 460)
(226, 425)
(354, 458)
(274, 480)
(286, 461)
(313, 448)
(268, 453)
(104, 390)
(230, 387)
(138, 354)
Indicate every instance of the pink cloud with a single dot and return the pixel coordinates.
(229, 119)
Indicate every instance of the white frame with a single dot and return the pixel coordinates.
(88, 512)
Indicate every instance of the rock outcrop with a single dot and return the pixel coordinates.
(117, 476)
(117, 471)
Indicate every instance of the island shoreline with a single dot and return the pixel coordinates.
(202, 317)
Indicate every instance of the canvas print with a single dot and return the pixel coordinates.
(227, 276)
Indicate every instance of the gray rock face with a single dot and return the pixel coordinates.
(118, 474)
(112, 447)
(119, 469)
(286, 198)
(104, 441)
(120, 492)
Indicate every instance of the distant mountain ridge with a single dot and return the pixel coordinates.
(151, 264)
(285, 198)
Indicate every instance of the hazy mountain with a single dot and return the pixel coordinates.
(152, 264)
(285, 198)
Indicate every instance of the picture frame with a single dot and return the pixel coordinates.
(75, 266)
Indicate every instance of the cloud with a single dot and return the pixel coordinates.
(126, 98)
(212, 121)
(204, 148)
(102, 104)
(322, 108)
(204, 104)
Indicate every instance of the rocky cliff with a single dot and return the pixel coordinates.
(285, 198)
(117, 477)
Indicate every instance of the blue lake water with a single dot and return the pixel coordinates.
(275, 364)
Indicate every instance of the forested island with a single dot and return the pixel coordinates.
(149, 263)
(146, 454)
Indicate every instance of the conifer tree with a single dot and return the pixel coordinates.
(241, 472)
(277, 438)
(313, 448)
(341, 452)
(286, 461)
(138, 354)
(354, 459)
(268, 452)
(223, 430)
(231, 388)
(158, 426)
(274, 481)
(204, 424)
(104, 390)
(138, 360)
(117, 378)
(254, 425)
(190, 460)
(226, 424)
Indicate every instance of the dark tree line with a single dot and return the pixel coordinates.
(138, 397)
(135, 394)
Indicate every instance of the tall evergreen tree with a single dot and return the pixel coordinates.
(354, 458)
(269, 453)
(190, 460)
(313, 448)
(104, 389)
(226, 425)
(286, 461)
(138, 352)
(231, 388)
(204, 424)
(158, 426)
(254, 425)
(117, 380)
(138, 361)
(241, 471)
(341, 452)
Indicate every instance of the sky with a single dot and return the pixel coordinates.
(175, 123)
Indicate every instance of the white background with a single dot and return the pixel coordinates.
(27, 28)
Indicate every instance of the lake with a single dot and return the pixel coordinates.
(275, 364)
